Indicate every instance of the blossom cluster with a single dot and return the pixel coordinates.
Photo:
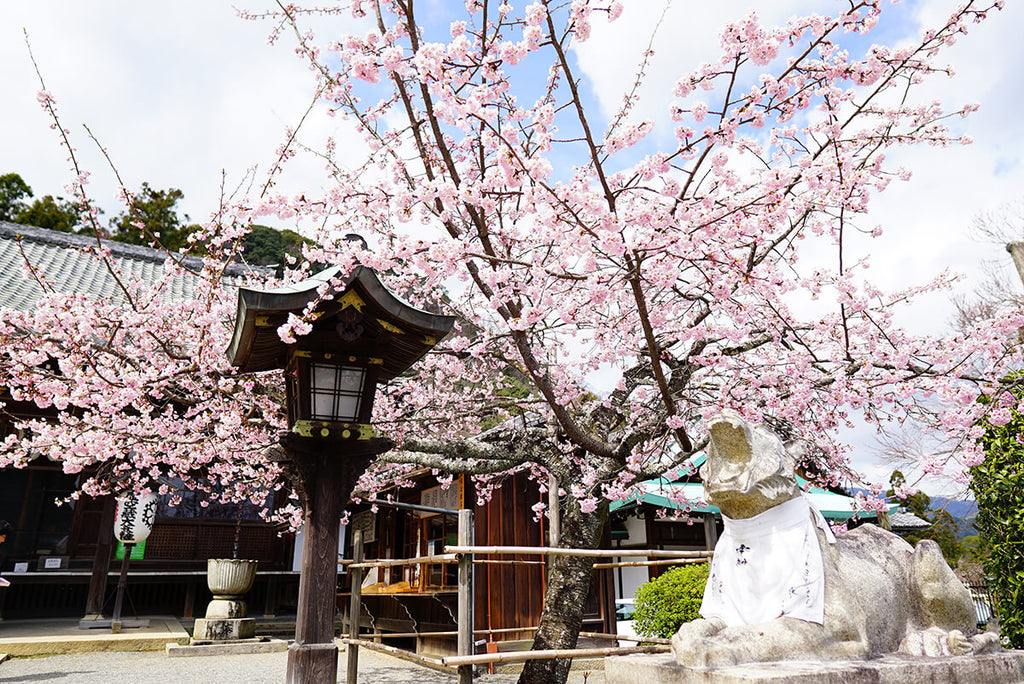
(136, 391)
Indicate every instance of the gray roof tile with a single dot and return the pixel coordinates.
(69, 263)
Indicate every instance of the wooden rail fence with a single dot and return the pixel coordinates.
(466, 555)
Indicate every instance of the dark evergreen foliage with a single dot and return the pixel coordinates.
(998, 485)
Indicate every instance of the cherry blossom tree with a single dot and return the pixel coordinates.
(702, 260)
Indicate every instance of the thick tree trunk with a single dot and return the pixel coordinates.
(566, 595)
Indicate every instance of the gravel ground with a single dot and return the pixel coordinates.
(263, 668)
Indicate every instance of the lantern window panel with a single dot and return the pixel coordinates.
(336, 392)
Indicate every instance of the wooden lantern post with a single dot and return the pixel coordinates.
(362, 336)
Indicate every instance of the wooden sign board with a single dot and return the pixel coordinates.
(438, 497)
(365, 522)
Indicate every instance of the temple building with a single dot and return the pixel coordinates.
(53, 549)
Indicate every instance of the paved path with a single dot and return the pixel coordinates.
(263, 668)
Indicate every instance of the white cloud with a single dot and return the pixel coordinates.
(685, 36)
(176, 92)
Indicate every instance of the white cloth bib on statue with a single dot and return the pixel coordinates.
(769, 566)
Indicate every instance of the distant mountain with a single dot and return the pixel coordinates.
(956, 508)
(964, 512)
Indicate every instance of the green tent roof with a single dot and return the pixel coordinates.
(665, 494)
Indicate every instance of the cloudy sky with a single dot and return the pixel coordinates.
(185, 94)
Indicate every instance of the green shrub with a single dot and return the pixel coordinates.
(668, 601)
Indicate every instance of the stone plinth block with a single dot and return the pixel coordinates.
(221, 630)
(256, 645)
(1005, 667)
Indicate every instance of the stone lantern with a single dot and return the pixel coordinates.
(362, 336)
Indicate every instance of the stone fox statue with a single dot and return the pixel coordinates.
(782, 587)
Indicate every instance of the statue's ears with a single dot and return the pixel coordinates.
(804, 466)
(796, 451)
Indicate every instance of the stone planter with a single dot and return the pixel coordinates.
(228, 580)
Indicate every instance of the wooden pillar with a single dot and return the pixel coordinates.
(1016, 250)
(314, 656)
(270, 604)
(122, 585)
(710, 532)
(189, 609)
(326, 471)
(101, 562)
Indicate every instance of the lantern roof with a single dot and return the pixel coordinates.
(356, 317)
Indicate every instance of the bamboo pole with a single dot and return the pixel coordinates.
(480, 632)
(401, 653)
(621, 637)
(507, 630)
(465, 605)
(554, 512)
(595, 553)
(452, 554)
(523, 656)
(454, 558)
(404, 635)
(664, 561)
(354, 606)
(416, 560)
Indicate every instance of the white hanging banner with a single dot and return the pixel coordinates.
(134, 518)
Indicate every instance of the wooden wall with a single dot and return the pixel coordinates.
(510, 595)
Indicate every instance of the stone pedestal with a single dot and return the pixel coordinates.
(1005, 667)
(224, 607)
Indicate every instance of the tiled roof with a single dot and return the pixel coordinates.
(68, 263)
(903, 520)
